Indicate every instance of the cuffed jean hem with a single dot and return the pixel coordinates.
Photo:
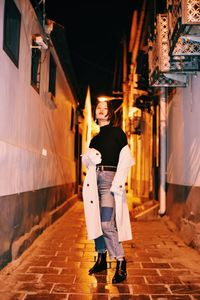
(101, 250)
(100, 245)
(119, 257)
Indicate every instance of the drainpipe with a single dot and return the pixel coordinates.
(163, 147)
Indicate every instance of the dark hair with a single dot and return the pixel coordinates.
(111, 113)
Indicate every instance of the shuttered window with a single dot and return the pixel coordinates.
(52, 76)
(35, 68)
(11, 31)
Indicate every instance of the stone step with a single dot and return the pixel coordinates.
(145, 211)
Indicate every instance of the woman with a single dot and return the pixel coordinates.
(108, 161)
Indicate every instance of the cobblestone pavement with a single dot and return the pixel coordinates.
(55, 267)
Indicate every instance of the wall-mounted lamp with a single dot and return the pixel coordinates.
(40, 42)
(49, 26)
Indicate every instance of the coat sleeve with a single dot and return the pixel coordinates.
(125, 162)
(118, 184)
(91, 157)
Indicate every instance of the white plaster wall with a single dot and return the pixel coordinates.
(31, 122)
(183, 137)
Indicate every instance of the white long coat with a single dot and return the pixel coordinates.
(91, 158)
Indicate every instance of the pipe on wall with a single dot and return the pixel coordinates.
(163, 151)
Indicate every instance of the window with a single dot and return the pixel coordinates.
(35, 67)
(72, 119)
(11, 32)
(52, 76)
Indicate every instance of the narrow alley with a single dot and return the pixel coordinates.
(55, 267)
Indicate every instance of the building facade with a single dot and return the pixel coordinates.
(169, 108)
(37, 128)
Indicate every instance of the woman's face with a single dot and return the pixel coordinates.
(101, 111)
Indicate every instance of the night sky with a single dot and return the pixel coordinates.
(94, 31)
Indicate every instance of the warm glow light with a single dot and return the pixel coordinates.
(108, 98)
(135, 110)
(132, 111)
(95, 128)
(104, 98)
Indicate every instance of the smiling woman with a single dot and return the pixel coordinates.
(108, 161)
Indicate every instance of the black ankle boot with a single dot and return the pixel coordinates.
(100, 265)
(120, 273)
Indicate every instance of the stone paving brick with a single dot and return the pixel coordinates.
(162, 279)
(159, 265)
(46, 297)
(44, 262)
(72, 265)
(87, 297)
(142, 272)
(185, 289)
(156, 265)
(57, 278)
(25, 277)
(34, 287)
(177, 272)
(42, 270)
(190, 279)
(170, 297)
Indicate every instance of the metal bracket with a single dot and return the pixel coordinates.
(177, 77)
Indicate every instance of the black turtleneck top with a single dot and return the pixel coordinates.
(109, 142)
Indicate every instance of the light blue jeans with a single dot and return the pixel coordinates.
(109, 240)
